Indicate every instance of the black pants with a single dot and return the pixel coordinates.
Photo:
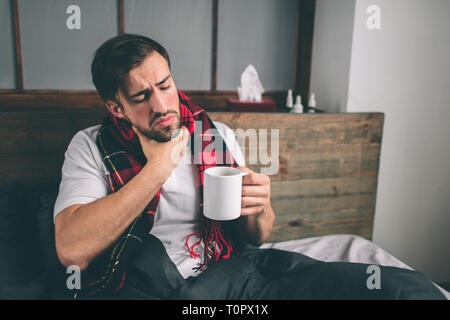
(268, 274)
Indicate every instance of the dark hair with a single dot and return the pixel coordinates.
(116, 57)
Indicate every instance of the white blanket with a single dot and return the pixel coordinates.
(345, 248)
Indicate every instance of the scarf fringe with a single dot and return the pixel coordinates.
(217, 246)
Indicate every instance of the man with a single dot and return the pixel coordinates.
(131, 211)
(147, 98)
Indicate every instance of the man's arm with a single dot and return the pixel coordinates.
(257, 216)
(82, 232)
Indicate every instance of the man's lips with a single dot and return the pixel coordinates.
(164, 121)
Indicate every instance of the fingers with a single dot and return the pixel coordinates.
(185, 133)
(180, 133)
(253, 178)
(135, 130)
(142, 139)
(255, 190)
(182, 137)
(252, 201)
(247, 179)
(245, 169)
(247, 211)
(179, 144)
(253, 205)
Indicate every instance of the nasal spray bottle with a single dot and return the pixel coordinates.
(289, 100)
(298, 107)
(312, 103)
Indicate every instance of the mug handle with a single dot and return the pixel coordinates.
(243, 173)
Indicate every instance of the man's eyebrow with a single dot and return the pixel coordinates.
(163, 80)
(137, 94)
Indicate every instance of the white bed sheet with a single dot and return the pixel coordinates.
(343, 247)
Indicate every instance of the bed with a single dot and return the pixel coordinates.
(323, 191)
(343, 247)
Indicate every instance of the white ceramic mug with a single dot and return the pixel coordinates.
(222, 193)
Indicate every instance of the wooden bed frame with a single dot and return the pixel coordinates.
(328, 163)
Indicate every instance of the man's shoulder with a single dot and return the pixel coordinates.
(83, 148)
(84, 144)
(87, 135)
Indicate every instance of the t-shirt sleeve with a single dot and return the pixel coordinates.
(231, 142)
(83, 179)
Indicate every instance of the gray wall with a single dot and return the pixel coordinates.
(55, 57)
(332, 46)
(403, 70)
(7, 60)
(184, 28)
(258, 32)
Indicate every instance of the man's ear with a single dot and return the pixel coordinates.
(115, 108)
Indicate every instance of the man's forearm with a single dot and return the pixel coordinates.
(93, 227)
(257, 228)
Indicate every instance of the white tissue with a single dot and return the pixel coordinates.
(251, 88)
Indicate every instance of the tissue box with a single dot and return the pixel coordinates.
(250, 106)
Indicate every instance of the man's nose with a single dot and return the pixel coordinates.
(158, 104)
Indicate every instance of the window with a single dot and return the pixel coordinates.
(210, 43)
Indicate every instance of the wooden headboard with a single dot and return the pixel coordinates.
(328, 163)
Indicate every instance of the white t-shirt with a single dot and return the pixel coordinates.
(85, 179)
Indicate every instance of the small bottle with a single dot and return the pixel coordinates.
(289, 100)
(298, 107)
(312, 103)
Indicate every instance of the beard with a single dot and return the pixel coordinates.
(163, 134)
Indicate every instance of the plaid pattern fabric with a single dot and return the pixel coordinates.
(123, 156)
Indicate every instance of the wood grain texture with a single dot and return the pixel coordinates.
(326, 180)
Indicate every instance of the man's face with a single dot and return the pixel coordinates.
(149, 99)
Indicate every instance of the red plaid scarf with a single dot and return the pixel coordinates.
(122, 154)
